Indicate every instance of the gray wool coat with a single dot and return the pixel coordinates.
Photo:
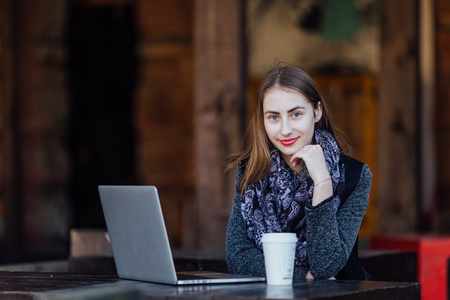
(330, 237)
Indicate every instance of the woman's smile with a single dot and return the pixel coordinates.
(288, 142)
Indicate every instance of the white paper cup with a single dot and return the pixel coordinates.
(279, 255)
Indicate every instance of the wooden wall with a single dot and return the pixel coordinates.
(399, 138)
(441, 207)
(8, 151)
(219, 112)
(189, 112)
(34, 117)
(353, 100)
(164, 106)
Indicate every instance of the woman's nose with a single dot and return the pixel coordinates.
(286, 128)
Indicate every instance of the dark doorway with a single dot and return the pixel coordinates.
(102, 74)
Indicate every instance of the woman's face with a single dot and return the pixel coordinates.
(289, 119)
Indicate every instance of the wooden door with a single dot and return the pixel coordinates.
(352, 101)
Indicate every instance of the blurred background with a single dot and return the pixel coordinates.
(159, 92)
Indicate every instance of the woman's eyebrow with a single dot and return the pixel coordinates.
(295, 108)
(289, 111)
(271, 112)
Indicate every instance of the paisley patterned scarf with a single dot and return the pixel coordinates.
(277, 202)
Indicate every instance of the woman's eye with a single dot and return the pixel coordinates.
(274, 118)
(296, 114)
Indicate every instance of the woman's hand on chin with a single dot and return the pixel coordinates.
(313, 157)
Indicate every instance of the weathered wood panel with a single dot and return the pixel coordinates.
(219, 111)
(352, 101)
(398, 123)
(8, 152)
(36, 85)
(442, 115)
(164, 108)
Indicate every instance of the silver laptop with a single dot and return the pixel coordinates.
(139, 240)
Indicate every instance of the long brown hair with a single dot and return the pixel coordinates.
(256, 157)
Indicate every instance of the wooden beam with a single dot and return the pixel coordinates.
(399, 138)
(11, 202)
(427, 111)
(219, 111)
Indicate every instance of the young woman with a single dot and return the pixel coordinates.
(293, 178)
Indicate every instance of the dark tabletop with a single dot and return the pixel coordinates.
(42, 285)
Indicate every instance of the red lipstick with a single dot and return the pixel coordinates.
(288, 142)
